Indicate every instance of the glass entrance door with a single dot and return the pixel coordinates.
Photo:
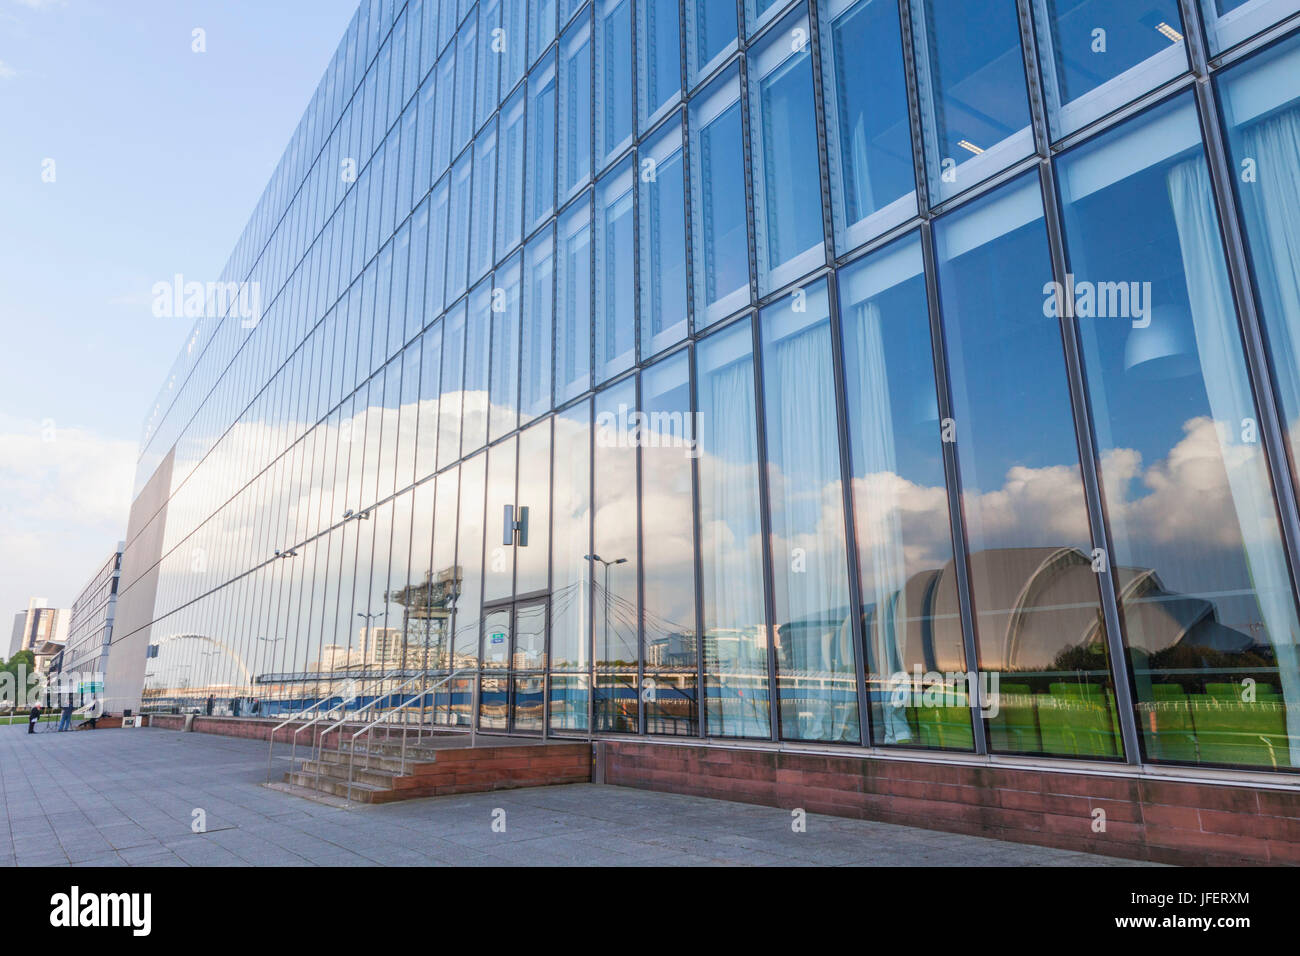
(512, 688)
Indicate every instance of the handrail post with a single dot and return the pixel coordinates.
(475, 702)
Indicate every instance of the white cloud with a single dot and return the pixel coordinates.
(6, 71)
(64, 497)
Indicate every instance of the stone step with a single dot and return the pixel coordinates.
(386, 780)
(308, 793)
(374, 761)
(361, 792)
(425, 745)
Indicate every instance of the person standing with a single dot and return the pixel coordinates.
(33, 717)
(65, 719)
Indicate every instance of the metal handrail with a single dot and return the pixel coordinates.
(352, 750)
(320, 738)
(324, 715)
(270, 751)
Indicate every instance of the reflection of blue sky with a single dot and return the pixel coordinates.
(1127, 231)
(1010, 393)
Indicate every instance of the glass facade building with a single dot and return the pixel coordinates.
(914, 375)
(90, 631)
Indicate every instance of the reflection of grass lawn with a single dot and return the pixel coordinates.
(20, 720)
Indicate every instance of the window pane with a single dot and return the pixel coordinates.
(758, 13)
(407, 417)
(668, 555)
(1203, 580)
(485, 174)
(453, 368)
(710, 35)
(532, 560)
(469, 564)
(426, 457)
(976, 114)
(1100, 54)
(458, 237)
(731, 538)
(614, 78)
(535, 352)
(1037, 607)
(401, 246)
(663, 242)
(505, 350)
(816, 671)
(721, 249)
(514, 23)
(416, 272)
(435, 280)
(540, 196)
(910, 621)
(616, 610)
(571, 520)
(575, 107)
(466, 49)
(510, 176)
(446, 503)
(1261, 106)
(443, 131)
(615, 274)
(541, 23)
(478, 328)
(447, 22)
(499, 558)
(489, 61)
(788, 209)
(573, 304)
(658, 58)
(867, 128)
(1229, 22)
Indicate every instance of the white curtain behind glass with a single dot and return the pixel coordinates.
(1219, 346)
(805, 470)
(878, 518)
(1275, 146)
(734, 648)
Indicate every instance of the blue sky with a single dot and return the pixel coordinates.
(160, 154)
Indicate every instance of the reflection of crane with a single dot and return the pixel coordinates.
(431, 601)
(219, 645)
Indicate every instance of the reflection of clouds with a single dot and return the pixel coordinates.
(1191, 480)
(1033, 507)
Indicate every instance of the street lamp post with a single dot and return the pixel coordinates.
(591, 697)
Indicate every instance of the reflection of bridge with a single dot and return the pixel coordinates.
(220, 645)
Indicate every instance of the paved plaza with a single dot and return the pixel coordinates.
(129, 798)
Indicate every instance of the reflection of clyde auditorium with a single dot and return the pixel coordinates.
(418, 495)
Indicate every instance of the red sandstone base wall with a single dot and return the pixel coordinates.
(253, 728)
(1161, 820)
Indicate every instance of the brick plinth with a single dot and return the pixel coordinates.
(254, 728)
(1163, 820)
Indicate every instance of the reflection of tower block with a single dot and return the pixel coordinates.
(427, 609)
(383, 646)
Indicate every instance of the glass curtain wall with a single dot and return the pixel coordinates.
(656, 277)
